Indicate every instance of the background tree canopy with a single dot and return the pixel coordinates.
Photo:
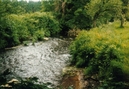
(69, 14)
(103, 10)
(84, 14)
(66, 14)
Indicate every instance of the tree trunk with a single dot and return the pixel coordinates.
(122, 21)
(94, 23)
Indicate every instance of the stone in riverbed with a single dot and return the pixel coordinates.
(45, 38)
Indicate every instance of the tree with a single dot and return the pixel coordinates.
(33, 6)
(125, 9)
(74, 14)
(103, 9)
(71, 14)
(47, 6)
(11, 7)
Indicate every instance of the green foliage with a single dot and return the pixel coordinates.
(96, 45)
(16, 26)
(31, 6)
(19, 7)
(15, 30)
(70, 13)
(82, 14)
(102, 11)
(47, 6)
(45, 21)
(39, 34)
(25, 43)
(19, 28)
(25, 83)
(28, 83)
(103, 52)
(10, 7)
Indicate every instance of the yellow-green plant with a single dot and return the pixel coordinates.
(103, 52)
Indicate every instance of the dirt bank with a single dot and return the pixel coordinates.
(76, 79)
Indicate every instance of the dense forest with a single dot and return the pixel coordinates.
(100, 29)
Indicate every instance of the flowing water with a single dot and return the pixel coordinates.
(44, 60)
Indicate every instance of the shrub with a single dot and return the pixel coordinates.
(102, 52)
(39, 34)
(96, 45)
(34, 26)
(45, 21)
(17, 25)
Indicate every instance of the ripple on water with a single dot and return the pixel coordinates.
(45, 60)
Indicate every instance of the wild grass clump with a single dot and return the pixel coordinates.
(103, 52)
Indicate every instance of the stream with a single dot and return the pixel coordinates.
(44, 60)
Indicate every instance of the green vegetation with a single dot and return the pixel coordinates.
(28, 83)
(21, 21)
(104, 51)
(25, 27)
(85, 14)
(101, 11)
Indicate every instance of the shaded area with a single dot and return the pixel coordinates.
(70, 81)
(75, 79)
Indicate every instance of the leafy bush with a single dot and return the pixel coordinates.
(103, 52)
(45, 22)
(96, 45)
(17, 25)
(19, 28)
(39, 34)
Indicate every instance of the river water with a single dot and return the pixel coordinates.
(44, 60)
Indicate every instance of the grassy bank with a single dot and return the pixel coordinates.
(104, 51)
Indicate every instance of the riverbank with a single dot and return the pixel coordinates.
(76, 79)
